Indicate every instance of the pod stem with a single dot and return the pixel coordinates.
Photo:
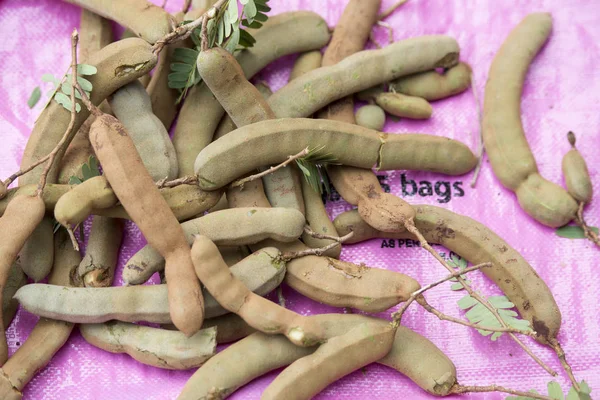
(73, 238)
(410, 226)
(459, 389)
(391, 10)
(589, 234)
(555, 345)
(185, 180)
(241, 182)
(290, 255)
(308, 230)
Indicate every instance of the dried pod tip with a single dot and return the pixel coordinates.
(571, 138)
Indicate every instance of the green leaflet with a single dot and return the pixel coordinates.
(89, 170)
(556, 392)
(313, 168)
(34, 97)
(573, 232)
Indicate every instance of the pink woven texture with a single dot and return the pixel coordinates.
(562, 93)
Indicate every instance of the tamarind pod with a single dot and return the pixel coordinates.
(232, 227)
(97, 268)
(577, 176)
(340, 356)
(311, 92)
(259, 354)
(246, 105)
(318, 220)
(234, 296)
(401, 105)
(16, 279)
(233, 254)
(432, 85)
(370, 116)
(503, 134)
(281, 35)
(23, 214)
(140, 197)
(52, 192)
(131, 104)
(140, 303)
(251, 195)
(230, 328)
(305, 63)
(350, 35)
(37, 254)
(255, 145)
(343, 284)
(146, 20)
(48, 336)
(477, 243)
(152, 346)
(95, 33)
(77, 204)
(118, 64)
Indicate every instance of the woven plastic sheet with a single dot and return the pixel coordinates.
(562, 93)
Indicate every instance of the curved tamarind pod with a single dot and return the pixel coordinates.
(233, 295)
(255, 145)
(48, 336)
(404, 106)
(149, 303)
(146, 20)
(477, 243)
(411, 354)
(432, 85)
(340, 356)
(97, 269)
(282, 34)
(16, 280)
(152, 346)
(510, 156)
(138, 194)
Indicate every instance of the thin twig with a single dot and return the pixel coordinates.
(316, 235)
(445, 317)
(315, 252)
(390, 10)
(413, 229)
(241, 182)
(390, 30)
(73, 238)
(397, 316)
(589, 234)
(185, 180)
(459, 389)
(374, 41)
(184, 31)
(563, 361)
(481, 154)
(63, 140)
(164, 4)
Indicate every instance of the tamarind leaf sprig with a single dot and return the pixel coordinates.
(223, 31)
(477, 313)
(313, 168)
(61, 88)
(556, 392)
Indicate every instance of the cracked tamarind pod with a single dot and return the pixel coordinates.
(97, 269)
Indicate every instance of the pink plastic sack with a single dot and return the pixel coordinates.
(561, 94)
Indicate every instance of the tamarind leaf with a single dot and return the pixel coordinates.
(500, 302)
(86, 69)
(227, 25)
(34, 97)
(89, 170)
(180, 67)
(584, 387)
(221, 29)
(244, 2)
(246, 39)
(573, 232)
(234, 40)
(185, 55)
(250, 10)
(555, 391)
(65, 101)
(233, 12)
(467, 302)
(458, 286)
(573, 395)
(74, 180)
(50, 78)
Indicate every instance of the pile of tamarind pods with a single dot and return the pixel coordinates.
(221, 247)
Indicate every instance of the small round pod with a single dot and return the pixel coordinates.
(340, 356)
(145, 19)
(370, 116)
(16, 280)
(404, 106)
(577, 176)
(432, 85)
(77, 204)
(258, 312)
(152, 346)
(132, 105)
